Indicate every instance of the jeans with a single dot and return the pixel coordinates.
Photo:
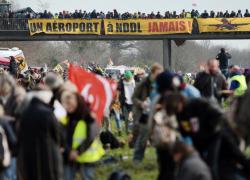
(86, 172)
(117, 117)
(225, 72)
(106, 123)
(10, 172)
(141, 142)
(69, 173)
(127, 109)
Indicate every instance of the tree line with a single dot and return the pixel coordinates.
(186, 58)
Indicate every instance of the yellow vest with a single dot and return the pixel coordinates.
(243, 85)
(94, 153)
(188, 15)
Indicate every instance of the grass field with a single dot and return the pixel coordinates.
(146, 170)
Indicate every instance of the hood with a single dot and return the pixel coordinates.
(45, 96)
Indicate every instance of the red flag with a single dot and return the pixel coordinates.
(96, 90)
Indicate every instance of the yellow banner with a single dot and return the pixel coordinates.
(64, 26)
(148, 26)
(224, 25)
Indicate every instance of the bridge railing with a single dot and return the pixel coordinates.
(13, 24)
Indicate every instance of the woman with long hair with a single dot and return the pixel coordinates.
(82, 149)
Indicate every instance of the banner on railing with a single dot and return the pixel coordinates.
(224, 24)
(65, 26)
(147, 26)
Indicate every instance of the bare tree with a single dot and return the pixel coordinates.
(42, 5)
(14, 5)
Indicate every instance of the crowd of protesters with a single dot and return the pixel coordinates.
(198, 124)
(79, 14)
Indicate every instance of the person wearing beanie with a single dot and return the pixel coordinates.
(167, 81)
(128, 75)
(167, 84)
(126, 89)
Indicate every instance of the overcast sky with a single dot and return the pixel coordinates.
(143, 6)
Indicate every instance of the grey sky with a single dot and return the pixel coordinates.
(144, 6)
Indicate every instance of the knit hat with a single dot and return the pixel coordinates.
(167, 81)
(128, 75)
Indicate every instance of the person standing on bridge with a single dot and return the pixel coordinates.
(223, 57)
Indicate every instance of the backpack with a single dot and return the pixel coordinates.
(5, 156)
(119, 175)
(107, 137)
(163, 134)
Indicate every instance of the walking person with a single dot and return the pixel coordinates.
(116, 112)
(162, 122)
(126, 89)
(39, 155)
(211, 82)
(142, 98)
(82, 149)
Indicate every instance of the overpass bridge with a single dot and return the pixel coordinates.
(18, 30)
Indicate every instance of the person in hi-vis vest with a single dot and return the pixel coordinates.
(238, 84)
(82, 149)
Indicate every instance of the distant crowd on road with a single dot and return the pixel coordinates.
(79, 14)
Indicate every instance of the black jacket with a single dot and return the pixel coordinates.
(223, 59)
(214, 140)
(39, 154)
(13, 67)
(231, 160)
(67, 136)
(210, 85)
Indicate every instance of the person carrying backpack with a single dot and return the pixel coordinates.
(162, 122)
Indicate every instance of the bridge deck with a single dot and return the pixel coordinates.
(18, 30)
(25, 36)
